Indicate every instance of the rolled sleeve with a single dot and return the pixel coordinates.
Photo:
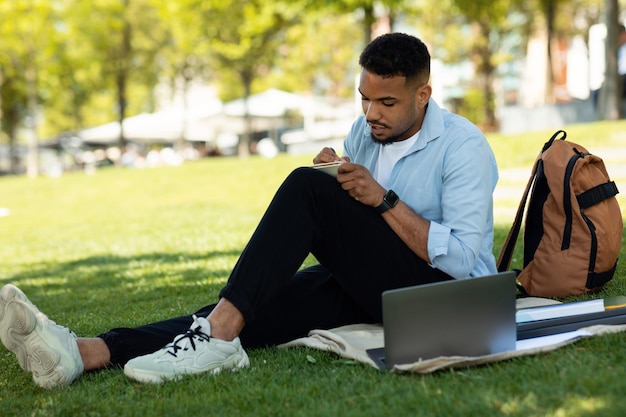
(438, 240)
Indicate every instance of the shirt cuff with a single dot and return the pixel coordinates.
(438, 237)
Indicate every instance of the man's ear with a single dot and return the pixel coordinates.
(423, 94)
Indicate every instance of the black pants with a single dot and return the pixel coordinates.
(360, 257)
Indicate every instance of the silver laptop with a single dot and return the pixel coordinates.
(469, 317)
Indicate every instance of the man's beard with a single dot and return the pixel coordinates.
(389, 140)
(385, 142)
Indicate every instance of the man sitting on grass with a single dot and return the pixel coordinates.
(411, 204)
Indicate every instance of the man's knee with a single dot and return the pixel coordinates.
(307, 179)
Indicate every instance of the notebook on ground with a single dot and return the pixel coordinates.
(538, 328)
(471, 317)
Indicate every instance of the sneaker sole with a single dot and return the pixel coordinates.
(37, 350)
(11, 292)
(233, 364)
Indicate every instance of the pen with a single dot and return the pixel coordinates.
(618, 301)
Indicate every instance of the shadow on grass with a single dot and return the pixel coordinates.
(139, 287)
(181, 282)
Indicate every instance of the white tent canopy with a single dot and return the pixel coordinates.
(166, 125)
(270, 103)
(142, 127)
(206, 120)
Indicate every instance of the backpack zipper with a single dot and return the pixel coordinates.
(594, 241)
(567, 199)
(567, 206)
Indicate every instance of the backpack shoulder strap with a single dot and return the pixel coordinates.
(504, 260)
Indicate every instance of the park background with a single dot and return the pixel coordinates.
(121, 244)
(87, 84)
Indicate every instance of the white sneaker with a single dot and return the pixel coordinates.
(191, 353)
(42, 347)
(11, 292)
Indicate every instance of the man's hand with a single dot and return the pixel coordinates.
(360, 184)
(328, 155)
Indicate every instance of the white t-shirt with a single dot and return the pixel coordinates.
(388, 155)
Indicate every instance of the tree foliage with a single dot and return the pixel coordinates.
(70, 64)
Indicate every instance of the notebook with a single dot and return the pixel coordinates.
(538, 328)
(469, 317)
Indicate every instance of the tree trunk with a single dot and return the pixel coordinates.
(244, 142)
(180, 143)
(32, 160)
(8, 122)
(122, 75)
(609, 100)
(368, 20)
(121, 104)
(550, 11)
(487, 69)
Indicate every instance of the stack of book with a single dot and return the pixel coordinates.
(560, 318)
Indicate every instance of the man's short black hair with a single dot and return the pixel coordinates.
(395, 54)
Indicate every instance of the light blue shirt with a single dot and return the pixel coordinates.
(448, 177)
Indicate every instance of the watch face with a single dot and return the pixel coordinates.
(391, 198)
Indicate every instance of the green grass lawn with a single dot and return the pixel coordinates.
(125, 247)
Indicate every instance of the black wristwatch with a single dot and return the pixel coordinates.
(389, 200)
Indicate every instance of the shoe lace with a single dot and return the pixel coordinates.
(186, 340)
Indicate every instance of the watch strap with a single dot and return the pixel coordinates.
(390, 199)
(383, 207)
